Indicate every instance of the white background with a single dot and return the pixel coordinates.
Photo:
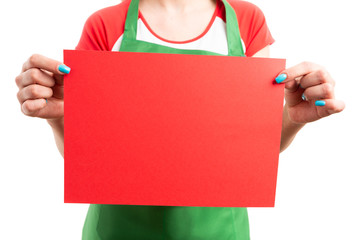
(318, 180)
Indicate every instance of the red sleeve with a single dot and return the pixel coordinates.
(93, 35)
(103, 28)
(253, 28)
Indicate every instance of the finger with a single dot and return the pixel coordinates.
(292, 86)
(317, 77)
(34, 91)
(58, 91)
(293, 92)
(296, 71)
(322, 91)
(32, 107)
(329, 106)
(59, 79)
(42, 62)
(34, 76)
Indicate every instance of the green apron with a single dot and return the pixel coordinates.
(129, 222)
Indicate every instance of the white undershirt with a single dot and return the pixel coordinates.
(214, 40)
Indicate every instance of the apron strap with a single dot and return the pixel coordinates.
(235, 47)
(131, 20)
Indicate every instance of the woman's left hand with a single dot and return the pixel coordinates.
(309, 93)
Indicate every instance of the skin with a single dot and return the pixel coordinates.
(176, 21)
(40, 78)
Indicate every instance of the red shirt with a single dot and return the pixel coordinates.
(104, 28)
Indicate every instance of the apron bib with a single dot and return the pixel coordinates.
(107, 222)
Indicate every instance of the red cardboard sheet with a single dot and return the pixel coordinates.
(171, 130)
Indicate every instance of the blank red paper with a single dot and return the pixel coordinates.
(171, 130)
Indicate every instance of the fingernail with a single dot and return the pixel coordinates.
(46, 100)
(64, 69)
(320, 103)
(281, 78)
(303, 97)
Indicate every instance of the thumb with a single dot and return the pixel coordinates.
(296, 72)
(47, 64)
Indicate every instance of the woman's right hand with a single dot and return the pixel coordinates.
(41, 87)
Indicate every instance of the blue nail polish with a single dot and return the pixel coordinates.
(64, 69)
(320, 103)
(281, 78)
(303, 97)
(46, 100)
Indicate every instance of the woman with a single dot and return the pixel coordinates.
(234, 28)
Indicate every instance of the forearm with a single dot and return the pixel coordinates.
(57, 127)
(289, 130)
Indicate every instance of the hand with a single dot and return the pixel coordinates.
(41, 86)
(309, 93)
